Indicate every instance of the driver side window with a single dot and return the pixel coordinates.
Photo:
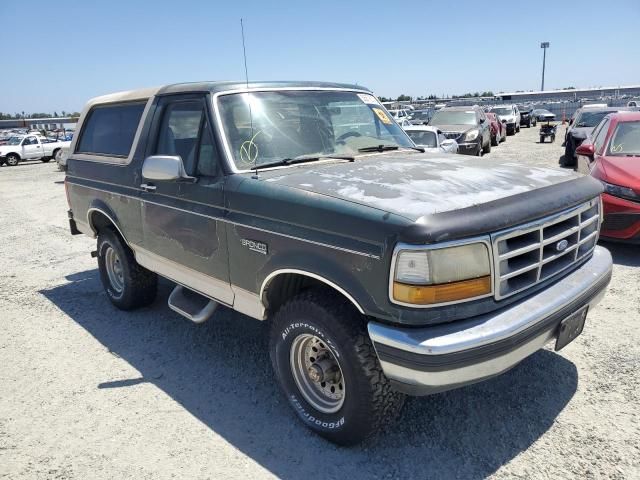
(600, 136)
(185, 132)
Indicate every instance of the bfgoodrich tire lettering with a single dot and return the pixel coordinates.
(369, 402)
(131, 286)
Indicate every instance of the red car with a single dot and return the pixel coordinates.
(498, 129)
(612, 155)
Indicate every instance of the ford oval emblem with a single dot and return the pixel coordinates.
(562, 245)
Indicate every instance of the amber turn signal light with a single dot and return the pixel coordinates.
(446, 292)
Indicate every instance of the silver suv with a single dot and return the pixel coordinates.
(509, 115)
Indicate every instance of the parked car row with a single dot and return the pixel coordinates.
(31, 147)
(473, 130)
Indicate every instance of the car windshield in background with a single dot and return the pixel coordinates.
(454, 117)
(590, 119)
(625, 140)
(14, 141)
(502, 111)
(267, 127)
(423, 138)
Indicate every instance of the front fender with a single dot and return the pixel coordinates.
(339, 272)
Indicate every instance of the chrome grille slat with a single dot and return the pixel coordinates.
(520, 271)
(518, 251)
(531, 253)
(560, 236)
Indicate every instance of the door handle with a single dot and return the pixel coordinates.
(148, 187)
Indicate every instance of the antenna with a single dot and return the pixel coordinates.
(244, 52)
(246, 77)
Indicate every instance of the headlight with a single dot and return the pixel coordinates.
(471, 135)
(440, 275)
(622, 192)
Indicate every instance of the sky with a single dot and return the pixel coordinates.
(60, 54)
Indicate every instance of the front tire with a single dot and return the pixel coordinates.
(326, 364)
(487, 148)
(127, 284)
(12, 160)
(45, 159)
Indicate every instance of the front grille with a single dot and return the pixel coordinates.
(532, 253)
(452, 135)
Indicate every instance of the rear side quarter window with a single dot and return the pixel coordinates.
(109, 130)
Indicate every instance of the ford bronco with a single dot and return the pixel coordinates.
(383, 271)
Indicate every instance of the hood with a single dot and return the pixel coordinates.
(581, 132)
(623, 171)
(508, 118)
(414, 185)
(454, 128)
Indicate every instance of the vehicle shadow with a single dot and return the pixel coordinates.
(220, 373)
(623, 253)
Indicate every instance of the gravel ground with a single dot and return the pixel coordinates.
(87, 391)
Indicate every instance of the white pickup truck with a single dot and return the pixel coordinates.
(30, 147)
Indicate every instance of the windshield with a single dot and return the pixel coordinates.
(590, 119)
(423, 138)
(14, 141)
(502, 111)
(420, 115)
(453, 117)
(266, 127)
(625, 140)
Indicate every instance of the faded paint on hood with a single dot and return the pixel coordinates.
(416, 185)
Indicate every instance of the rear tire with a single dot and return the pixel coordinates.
(45, 159)
(326, 364)
(495, 140)
(128, 285)
(541, 139)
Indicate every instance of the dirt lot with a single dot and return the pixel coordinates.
(87, 391)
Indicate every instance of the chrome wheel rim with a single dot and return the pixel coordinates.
(114, 269)
(317, 373)
(13, 161)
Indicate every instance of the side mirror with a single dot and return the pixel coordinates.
(165, 168)
(571, 121)
(586, 149)
(446, 142)
(482, 120)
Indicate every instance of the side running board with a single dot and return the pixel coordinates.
(191, 305)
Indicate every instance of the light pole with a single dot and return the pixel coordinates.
(544, 46)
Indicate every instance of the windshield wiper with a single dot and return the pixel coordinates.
(385, 148)
(304, 158)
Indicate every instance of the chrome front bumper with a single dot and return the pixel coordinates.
(420, 361)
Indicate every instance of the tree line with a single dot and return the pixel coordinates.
(23, 115)
(408, 98)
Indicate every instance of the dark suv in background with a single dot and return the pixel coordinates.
(466, 125)
(526, 117)
(580, 127)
